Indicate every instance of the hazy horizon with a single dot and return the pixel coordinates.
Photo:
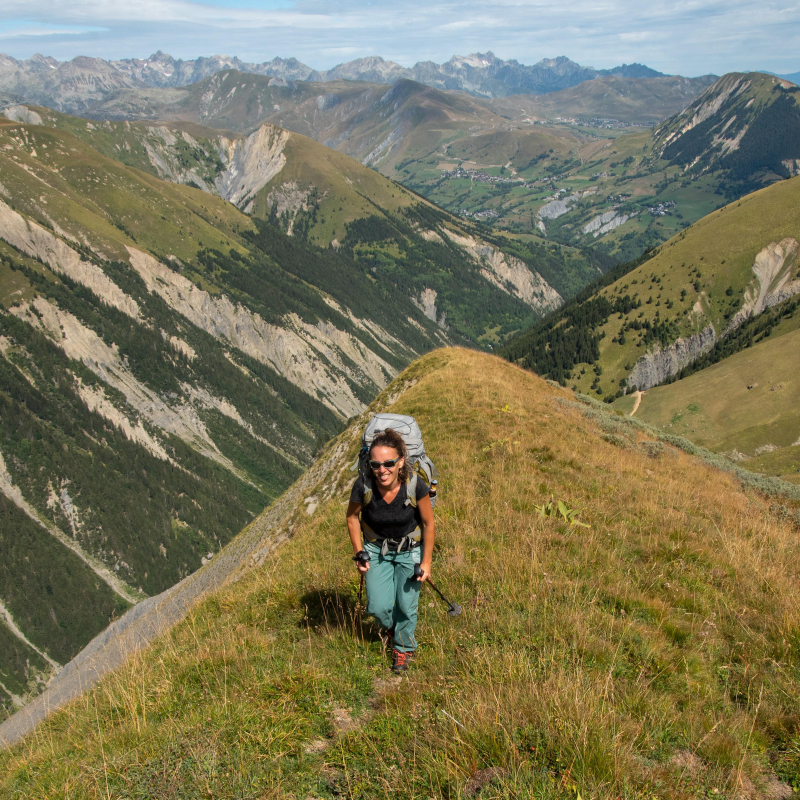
(693, 38)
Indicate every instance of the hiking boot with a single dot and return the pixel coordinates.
(400, 661)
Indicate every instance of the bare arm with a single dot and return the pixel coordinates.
(428, 535)
(354, 529)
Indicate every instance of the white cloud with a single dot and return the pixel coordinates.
(12, 28)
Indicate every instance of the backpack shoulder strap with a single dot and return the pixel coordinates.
(367, 491)
(411, 490)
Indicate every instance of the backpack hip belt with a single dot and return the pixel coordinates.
(407, 542)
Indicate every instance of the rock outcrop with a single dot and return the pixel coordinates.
(654, 368)
(35, 241)
(509, 274)
(251, 163)
(426, 302)
(773, 269)
(557, 208)
(774, 284)
(22, 114)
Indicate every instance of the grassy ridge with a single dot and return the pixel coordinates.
(153, 516)
(655, 653)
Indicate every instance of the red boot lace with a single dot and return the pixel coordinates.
(400, 660)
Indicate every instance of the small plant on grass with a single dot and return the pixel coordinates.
(560, 510)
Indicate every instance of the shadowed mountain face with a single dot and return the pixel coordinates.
(75, 86)
(745, 124)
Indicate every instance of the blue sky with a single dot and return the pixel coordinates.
(688, 37)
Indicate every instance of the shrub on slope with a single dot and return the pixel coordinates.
(654, 653)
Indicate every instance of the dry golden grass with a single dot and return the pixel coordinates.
(654, 654)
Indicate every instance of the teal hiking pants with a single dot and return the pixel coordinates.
(393, 593)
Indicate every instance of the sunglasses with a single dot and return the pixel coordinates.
(376, 465)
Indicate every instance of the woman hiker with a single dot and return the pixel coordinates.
(399, 533)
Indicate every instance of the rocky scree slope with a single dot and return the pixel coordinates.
(325, 198)
(624, 650)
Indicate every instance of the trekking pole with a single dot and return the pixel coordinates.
(363, 557)
(453, 609)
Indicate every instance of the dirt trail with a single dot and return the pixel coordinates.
(637, 399)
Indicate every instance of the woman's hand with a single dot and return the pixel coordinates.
(362, 566)
(425, 567)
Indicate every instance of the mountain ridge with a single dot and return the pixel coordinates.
(74, 86)
(169, 364)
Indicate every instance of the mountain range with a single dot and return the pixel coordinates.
(75, 86)
(507, 158)
(193, 304)
(420, 136)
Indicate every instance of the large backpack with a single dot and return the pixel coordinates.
(418, 461)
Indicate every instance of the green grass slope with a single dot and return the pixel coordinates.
(698, 278)
(654, 653)
(169, 364)
(744, 406)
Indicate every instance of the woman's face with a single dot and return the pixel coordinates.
(386, 476)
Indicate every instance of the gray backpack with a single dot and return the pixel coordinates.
(418, 461)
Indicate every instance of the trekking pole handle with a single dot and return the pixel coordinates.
(362, 556)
